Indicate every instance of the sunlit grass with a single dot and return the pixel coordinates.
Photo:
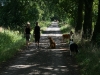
(44, 25)
(65, 28)
(10, 43)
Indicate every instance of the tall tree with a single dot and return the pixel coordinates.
(96, 32)
(87, 26)
(79, 16)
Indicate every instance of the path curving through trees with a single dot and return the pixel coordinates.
(44, 61)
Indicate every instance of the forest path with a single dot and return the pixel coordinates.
(44, 61)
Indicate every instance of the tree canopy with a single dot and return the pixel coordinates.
(83, 15)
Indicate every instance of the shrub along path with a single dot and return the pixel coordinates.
(44, 61)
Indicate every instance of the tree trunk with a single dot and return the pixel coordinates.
(79, 17)
(87, 26)
(97, 26)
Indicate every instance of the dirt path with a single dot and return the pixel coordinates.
(44, 61)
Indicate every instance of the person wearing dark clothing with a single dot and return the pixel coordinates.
(37, 33)
(27, 33)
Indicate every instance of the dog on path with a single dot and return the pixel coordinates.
(73, 47)
(68, 36)
(52, 43)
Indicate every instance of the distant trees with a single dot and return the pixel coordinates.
(81, 14)
(15, 13)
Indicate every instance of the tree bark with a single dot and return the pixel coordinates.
(79, 17)
(87, 26)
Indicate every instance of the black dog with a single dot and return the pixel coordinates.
(73, 47)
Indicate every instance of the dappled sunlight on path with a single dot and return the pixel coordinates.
(44, 61)
(52, 30)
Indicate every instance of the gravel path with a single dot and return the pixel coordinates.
(44, 61)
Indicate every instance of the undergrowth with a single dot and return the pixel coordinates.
(88, 57)
(10, 43)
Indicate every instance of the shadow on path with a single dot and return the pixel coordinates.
(44, 61)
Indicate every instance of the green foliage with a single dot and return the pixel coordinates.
(88, 59)
(98, 39)
(10, 43)
(44, 24)
(69, 6)
(72, 22)
(32, 11)
(11, 13)
(65, 28)
(15, 13)
(95, 10)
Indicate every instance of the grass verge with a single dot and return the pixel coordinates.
(10, 43)
(89, 59)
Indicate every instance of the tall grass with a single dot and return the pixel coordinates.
(10, 43)
(88, 57)
(65, 28)
(44, 25)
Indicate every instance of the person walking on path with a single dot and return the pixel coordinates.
(44, 61)
(36, 34)
(27, 33)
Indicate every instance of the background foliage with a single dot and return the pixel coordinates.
(83, 16)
